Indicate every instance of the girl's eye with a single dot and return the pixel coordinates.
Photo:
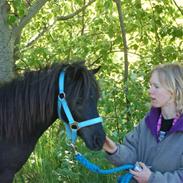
(156, 86)
(153, 86)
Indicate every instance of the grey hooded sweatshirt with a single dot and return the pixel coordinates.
(142, 145)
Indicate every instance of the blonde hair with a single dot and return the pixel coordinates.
(171, 78)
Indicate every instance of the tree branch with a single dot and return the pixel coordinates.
(59, 18)
(83, 20)
(123, 32)
(76, 12)
(181, 11)
(31, 13)
(157, 38)
(39, 34)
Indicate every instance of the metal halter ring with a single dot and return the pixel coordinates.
(74, 126)
(61, 95)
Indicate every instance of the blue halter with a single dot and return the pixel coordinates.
(72, 127)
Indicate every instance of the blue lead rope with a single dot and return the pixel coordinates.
(94, 168)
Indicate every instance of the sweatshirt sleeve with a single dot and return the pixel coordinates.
(167, 177)
(126, 152)
(175, 176)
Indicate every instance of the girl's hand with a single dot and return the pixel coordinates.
(143, 175)
(109, 146)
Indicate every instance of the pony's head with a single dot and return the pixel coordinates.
(82, 93)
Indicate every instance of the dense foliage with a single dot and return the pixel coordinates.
(154, 31)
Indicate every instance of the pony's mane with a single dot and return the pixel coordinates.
(29, 102)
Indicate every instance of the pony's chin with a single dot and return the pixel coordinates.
(95, 146)
(93, 142)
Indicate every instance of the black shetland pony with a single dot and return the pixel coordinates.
(28, 106)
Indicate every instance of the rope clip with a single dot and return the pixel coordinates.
(74, 149)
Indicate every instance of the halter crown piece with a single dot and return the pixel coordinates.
(72, 126)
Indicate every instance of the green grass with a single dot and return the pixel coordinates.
(53, 162)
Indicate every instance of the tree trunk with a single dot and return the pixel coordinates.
(6, 55)
(6, 46)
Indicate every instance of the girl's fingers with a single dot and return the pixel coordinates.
(142, 165)
(135, 173)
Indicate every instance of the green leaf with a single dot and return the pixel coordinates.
(12, 19)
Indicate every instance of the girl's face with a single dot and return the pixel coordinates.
(160, 97)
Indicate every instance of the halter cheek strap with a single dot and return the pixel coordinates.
(72, 127)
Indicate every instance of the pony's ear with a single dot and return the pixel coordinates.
(94, 71)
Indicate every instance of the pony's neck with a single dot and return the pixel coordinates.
(46, 109)
(28, 106)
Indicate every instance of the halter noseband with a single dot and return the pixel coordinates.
(72, 127)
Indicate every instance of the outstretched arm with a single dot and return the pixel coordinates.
(109, 146)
